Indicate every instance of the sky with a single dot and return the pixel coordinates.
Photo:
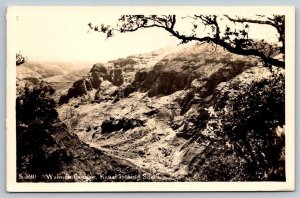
(63, 34)
(42, 34)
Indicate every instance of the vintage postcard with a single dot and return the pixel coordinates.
(150, 99)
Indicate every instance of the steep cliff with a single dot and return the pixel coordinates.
(118, 72)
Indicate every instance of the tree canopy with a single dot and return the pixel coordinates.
(232, 33)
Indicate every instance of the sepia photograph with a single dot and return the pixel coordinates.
(150, 98)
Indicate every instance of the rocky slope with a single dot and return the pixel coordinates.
(119, 73)
(160, 72)
(169, 114)
(54, 74)
(68, 159)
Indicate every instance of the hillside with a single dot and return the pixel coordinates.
(59, 75)
(190, 114)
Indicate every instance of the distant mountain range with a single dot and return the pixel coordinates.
(60, 75)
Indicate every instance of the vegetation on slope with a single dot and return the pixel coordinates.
(48, 152)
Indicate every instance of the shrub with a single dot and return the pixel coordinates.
(20, 59)
(36, 118)
(251, 119)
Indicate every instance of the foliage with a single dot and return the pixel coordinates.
(252, 121)
(242, 132)
(20, 59)
(36, 117)
(34, 107)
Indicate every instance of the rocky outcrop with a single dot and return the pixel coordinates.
(160, 83)
(203, 88)
(106, 91)
(99, 73)
(79, 88)
(93, 80)
(113, 124)
(168, 82)
(117, 76)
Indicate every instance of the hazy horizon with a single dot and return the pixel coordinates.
(64, 35)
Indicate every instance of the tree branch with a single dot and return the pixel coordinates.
(244, 20)
(278, 22)
(236, 41)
